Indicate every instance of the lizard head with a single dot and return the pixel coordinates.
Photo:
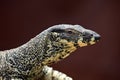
(64, 39)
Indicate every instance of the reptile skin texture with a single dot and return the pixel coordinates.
(31, 60)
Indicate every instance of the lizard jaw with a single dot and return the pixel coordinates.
(92, 41)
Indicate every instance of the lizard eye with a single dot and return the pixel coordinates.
(70, 32)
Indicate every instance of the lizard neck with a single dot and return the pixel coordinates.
(27, 58)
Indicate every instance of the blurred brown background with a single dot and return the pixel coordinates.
(21, 20)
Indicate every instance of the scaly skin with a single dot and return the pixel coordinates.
(29, 61)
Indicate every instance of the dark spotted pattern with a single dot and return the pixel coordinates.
(27, 61)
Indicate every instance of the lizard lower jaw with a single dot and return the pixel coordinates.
(81, 44)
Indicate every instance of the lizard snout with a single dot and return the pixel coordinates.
(88, 38)
(97, 37)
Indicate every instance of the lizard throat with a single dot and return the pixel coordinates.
(64, 50)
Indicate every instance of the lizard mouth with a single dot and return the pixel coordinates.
(91, 41)
(81, 43)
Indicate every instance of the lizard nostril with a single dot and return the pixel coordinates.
(91, 35)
